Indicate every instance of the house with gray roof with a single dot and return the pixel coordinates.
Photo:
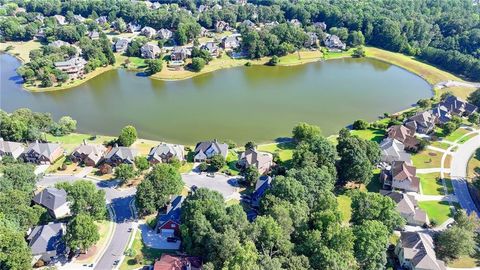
(101, 20)
(54, 200)
(333, 43)
(165, 152)
(121, 154)
(148, 31)
(453, 106)
(60, 19)
(312, 40)
(415, 250)
(408, 208)
(121, 45)
(221, 26)
(422, 122)
(89, 154)
(150, 51)
(12, 149)
(212, 48)
(231, 42)
(59, 43)
(42, 153)
(79, 18)
(262, 185)
(164, 34)
(74, 67)
(320, 25)
(392, 150)
(263, 161)
(46, 242)
(133, 27)
(206, 150)
(93, 35)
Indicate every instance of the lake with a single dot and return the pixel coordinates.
(256, 103)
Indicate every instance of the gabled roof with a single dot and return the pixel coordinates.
(47, 238)
(263, 183)
(51, 198)
(174, 209)
(10, 147)
(393, 150)
(256, 158)
(122, 152)
(93, 151)
(402, 171)
(44, 149)
(173, 262)
(219, 148)
(400, 132)
(407, 205)
(418, 248)
(424, 119)
(166, 149)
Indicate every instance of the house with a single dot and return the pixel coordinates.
(180, 53)
(42, 153)
(221, 26)
(207, 149)
(164, 34)
(93, 35)
(46, 242)
(101, 20)
(121, 45)
(149, 32)
(248, 24)
(212, 48)
(392, 150)
(150, 51)
(133, 27)
(312, 39)
(89, 154)
(74, 67)
(60, 19)
(401, 176)
(442, 114)
(333, 43)
(78, 18)
(121, 154)
(203, 32)
(260, 160)
(168, 224)
(422, 122)
(176, 262)
(457, 107)
(295, 22)
(165, 152)
(54, 200)
(408, 208)
(415, 251)
(12, 149)
(404, 135)
(231, 42)
(320, 25)
(262, 185)
(202, 8)
(59, 43)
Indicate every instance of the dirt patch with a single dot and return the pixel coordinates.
(91, 252)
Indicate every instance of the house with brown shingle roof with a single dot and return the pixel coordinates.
(404, 135)
(392, 150)
(415, 251)
(401, 176)
(42, 153)
(422, 122)
(175, 262)
(89, 154)
(408, 208)
(260, 160)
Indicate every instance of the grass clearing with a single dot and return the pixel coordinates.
(436, 210)
(466, 138)
(431, 184)
(473, 167)
(464, 262)
(284, 150)
(456, 134)
(56, 165)
(441, 145)
(71, 141)
(21, 49)
(149, 254)
(429, 159)
(370, 134)
(345, 207)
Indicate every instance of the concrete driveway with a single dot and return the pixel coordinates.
(227, 185)
(155, 240)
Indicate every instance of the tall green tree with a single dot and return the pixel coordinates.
(15, 255)
(82, 233)
(371, 241)
(85, 198)
(128, 136)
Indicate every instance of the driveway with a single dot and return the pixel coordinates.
(155, 240)
(458, 172)
(226, 185)
(40, 169)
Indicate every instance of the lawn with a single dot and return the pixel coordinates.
(72, 140)
(473, 168)
(56, 165)
(431, 184)
(436, 210)
(456, 134)
(345, 207)
(375, 185)
(429, 159)
(466, 138)
(335, 55)
(441, 145)
(149, 254)
(144, 146)
(300, 57)
(186, 168)
(21, 49)
(464, 262)
(104, 231)
(284, 150)
(370, 134)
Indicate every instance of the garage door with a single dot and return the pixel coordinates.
(167, 232)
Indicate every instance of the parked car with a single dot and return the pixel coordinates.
(172, 239)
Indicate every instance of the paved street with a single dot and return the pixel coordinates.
(226, 185)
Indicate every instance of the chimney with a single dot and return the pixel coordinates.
(84, 142)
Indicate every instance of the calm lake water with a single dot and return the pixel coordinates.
(246, 103)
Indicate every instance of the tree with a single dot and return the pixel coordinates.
(128, 136)
(424, 103)
(81, 233)
(154, 65)
(474, 98)
(449, 127)
(203, 167)
(251, 175)
(124, 172)
(474, 118)
(454, 242)
(269, 237)
(197, 64)
(16, 208)
(217, 162)
(359, 52)
(245, 258)
(250, 146)
(85, 198)
(15, 255)
(18, 176)
(371, 241)
(274, 61)
(67, 125)
(141, 163)
(155, 190)
(305, 132)
(360, 125)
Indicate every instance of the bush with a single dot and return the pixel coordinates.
(273, 61)
(358, 52)
(360, 125)
(203, 167)
(197, 64)
(248, 64)
(128, 135)
(217, 162)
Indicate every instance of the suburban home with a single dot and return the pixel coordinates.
(203, 32)
(312, 39)
(393, 150)
(164, 34)
(212, 48)
(168, 224)
(408, 208)
(404, 135)
(248, 24)
(262, 185)
(93, 35)
(60, 19)
(101, 20)
(202, 8)
(320, 25)
(180, 53)
(221, 26)
(415, 251)
(457, 107)
(156, 5)
(333, 43)
(149, 32)
(165, 152)
(241, 2)
(89, 154)
(121, 154)
(231, 42)
(54, 200)
(260, 160)
(423, 122)
(401, 176)
(59, 43)
(12, 149)
(295, 22)
(206, 150)
(42, 153)
(150, 51)
(176, 262)
(46, 242)
(121, 45)
(133, 27)
(79, 18)
(74, 67)
(442, 114)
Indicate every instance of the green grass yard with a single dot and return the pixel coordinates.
(429, 159)
(464, 262)
(466, 138)
(284, 150)
(436, 210)
(441, 145)
(431, 184)
(72, 140)
(370, 134)
(149, 254)
(456, 134)
(345, 207)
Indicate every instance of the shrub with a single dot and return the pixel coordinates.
(217, 162)
(273, 61)
(360, 125)
(197, 64)
(203, 167)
